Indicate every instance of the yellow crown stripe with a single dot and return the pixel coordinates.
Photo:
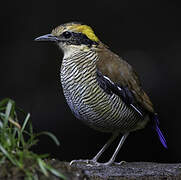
(87, 30)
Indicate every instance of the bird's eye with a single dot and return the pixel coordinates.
(67, 34)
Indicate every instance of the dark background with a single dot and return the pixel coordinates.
(146, 33)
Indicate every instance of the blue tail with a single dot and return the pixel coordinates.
(160, 134)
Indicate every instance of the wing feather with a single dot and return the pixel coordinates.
(122, 74)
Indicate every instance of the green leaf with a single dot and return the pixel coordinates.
(41, 164)
(12, 113)
(2, 108)
(7, 155)
(35, 177)
(55, 172)
(7, 113)
(4, 102)
(25, 122)
(51, 135)
(1, 124)
(2, 160)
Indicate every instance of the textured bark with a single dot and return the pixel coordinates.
(133, 171)
(83, 171)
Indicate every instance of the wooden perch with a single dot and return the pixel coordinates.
(126, 171)
(129, 171)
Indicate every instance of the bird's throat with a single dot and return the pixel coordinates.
(78, 68)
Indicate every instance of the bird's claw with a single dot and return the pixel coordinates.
(93, 162)
(120, 163)
(87, 162)
(82, 161)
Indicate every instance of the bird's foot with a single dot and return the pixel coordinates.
(87, 162)
(111, 163)
(120, 163)
(93, 162)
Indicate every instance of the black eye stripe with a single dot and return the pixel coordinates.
(76, 38)
(80, 38)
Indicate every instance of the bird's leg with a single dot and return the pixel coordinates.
(117, 149)
(94, 160)
(108, 143)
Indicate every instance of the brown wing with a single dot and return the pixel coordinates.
(121, 73)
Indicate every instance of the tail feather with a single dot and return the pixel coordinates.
(160, 134)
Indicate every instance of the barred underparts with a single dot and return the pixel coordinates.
(88, 101)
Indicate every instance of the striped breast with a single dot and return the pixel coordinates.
(88, 101)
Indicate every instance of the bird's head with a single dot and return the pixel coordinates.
(72, 36)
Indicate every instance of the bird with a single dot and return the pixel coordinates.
(101, 88)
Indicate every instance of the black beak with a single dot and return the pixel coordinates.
(47, 37)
